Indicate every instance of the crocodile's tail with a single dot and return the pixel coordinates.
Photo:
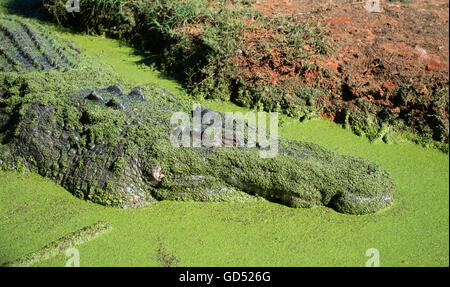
(25, 46)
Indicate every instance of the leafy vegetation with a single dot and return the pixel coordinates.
(216, 49)
(197, 40)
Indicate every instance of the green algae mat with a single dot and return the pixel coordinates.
(38, 216)
(413, 232)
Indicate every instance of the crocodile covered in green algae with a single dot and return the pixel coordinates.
(110, 144)
(26, 47)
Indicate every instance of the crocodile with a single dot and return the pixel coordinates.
(109, 143)
(26, 47)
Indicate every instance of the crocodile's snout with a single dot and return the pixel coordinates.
(367, 192)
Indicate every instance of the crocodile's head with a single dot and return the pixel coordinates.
(365, 188)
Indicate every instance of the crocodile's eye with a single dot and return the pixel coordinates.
(370, 170)
(157, 173)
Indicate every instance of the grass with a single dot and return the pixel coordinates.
(413, 232)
